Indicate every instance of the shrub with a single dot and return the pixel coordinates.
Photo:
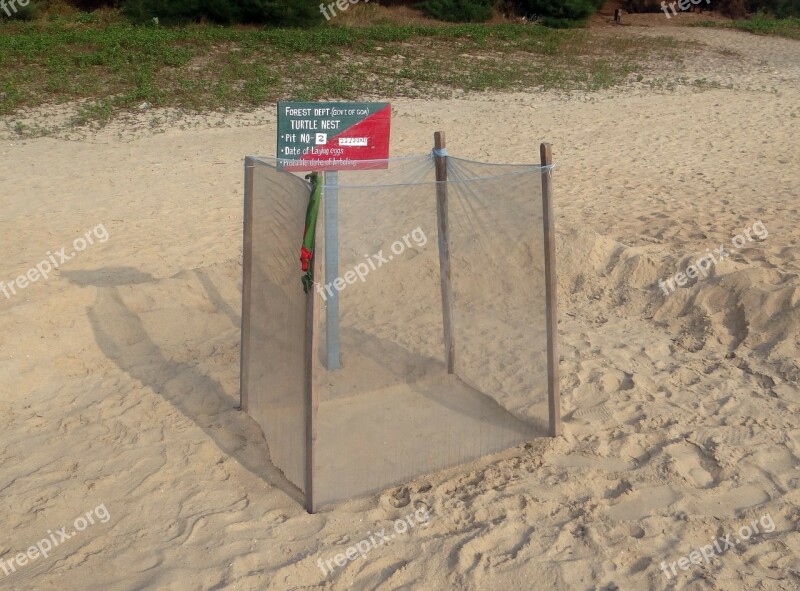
(89, 5)
(731, 8)
(459, 11)
(778, 8)
(279, 13)
(559, 13)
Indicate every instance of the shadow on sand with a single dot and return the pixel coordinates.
(122, 337)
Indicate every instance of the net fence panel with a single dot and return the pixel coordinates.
(496, 237)
(392, 412)
(276, 374)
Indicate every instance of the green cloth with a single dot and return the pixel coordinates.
(310, 233)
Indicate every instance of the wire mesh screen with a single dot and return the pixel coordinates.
(385, 407)
(274, 372)
(498, 274)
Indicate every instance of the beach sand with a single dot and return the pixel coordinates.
(119, 379)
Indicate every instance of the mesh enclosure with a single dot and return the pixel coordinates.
(350, 383)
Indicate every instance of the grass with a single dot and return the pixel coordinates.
(761, 25)
(109, 66)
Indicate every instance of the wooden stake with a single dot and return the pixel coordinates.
(554, 395)
(444, 249)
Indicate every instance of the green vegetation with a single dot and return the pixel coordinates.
(115, 67)
(775, 8)
(761, 25)
(278, 13)
(459, 11)
(302, 13)
(559, 13)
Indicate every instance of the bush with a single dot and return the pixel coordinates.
(89, 5)
(559, 13)
(459, 11)
(279, 13)
(778, 8)
(731, 8)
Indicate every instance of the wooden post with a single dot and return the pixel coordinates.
(440, 159)
(247, 271)
(551, 286)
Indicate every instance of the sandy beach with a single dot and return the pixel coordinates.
(119, 381)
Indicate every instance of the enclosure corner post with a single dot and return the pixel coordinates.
(551, 286)
(247, 267)
(330, 202)
(313, 311)
(312, 401)
(440, 159)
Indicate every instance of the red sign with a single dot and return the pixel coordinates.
(333, 136)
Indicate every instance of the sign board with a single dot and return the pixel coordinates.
(333, 136)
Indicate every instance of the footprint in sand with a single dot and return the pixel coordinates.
(495, 545)
(688, 462)
(599, 412)
(643, 502)
(733, 436)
